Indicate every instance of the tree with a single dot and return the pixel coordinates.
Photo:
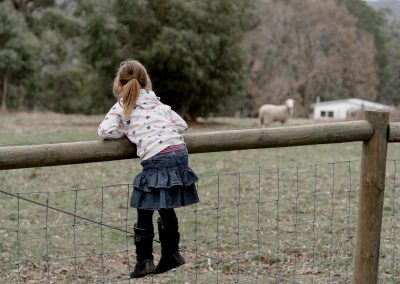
(58, 31)
(27, 7)
(190, 48)
(101, 47)
(17, 52)
(55, 30)
(304, 49)
(372, 22)
(390, 88)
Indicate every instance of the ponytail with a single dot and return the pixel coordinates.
(129, 95)
(130, 78)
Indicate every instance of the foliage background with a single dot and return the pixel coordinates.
(204, 57)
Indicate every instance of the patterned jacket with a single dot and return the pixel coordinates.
(152, 126)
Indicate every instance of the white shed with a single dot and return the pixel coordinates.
(345, 109)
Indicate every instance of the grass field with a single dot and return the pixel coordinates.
(267, 215)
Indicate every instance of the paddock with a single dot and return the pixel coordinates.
(252, 225)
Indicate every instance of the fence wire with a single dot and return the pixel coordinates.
(294, 224)
(390, 241)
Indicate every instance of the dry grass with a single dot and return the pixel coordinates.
(287, 211)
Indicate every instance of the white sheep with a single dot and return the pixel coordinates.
(271, 113)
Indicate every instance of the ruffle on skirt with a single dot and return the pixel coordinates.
(164, 178)
(164, 188)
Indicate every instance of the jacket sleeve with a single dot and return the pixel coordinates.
(178, 121)
(111, 127)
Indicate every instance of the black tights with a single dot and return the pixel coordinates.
(145, 217)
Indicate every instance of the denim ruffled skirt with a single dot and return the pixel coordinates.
(166, 181)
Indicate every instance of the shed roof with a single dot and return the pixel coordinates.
(357, 103)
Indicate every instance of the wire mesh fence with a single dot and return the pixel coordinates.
(294, 224)
(390, 241)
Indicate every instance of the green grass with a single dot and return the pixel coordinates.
(285, 211)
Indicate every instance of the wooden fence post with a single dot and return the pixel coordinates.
(373, 170)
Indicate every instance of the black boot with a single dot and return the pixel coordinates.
(169, 239)
(144, 252)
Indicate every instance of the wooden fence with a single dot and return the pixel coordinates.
(375, 132)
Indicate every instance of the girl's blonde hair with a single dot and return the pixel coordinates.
(130, 78)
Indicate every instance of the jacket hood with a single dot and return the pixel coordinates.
(147, 99)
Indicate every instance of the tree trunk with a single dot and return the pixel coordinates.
(3, 109)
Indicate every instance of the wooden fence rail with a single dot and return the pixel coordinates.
(98, 151)
(375, 132)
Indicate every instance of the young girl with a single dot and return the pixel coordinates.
(166, 181)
